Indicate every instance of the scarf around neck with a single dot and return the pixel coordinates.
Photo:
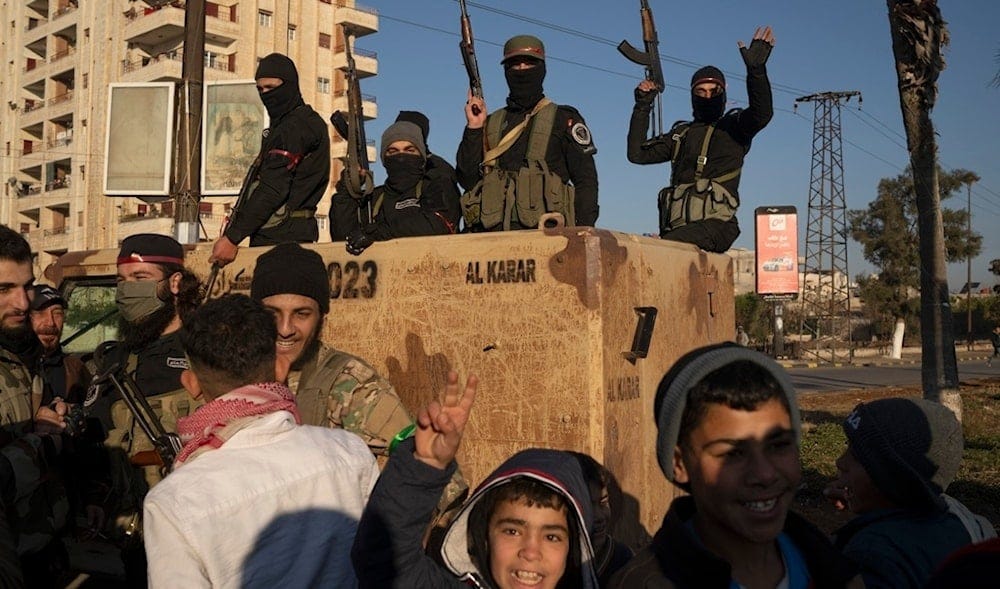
(216, 422)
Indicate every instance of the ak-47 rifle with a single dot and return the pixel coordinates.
(250, 182)
(469, 56)
(166, 445)
(357, 171)
(650, 58)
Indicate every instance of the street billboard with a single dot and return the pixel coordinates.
(139, 139)
(777, 252)
(234, 119)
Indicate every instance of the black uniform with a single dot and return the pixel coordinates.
(435, 212)
(303, 133)
(570, 154)
(729, 144)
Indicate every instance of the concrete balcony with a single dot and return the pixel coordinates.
(359, 19)
(53, 239)
(164, 67)
(33, 113)
(366, 62)
(221, 29)
(151, 27)
(368, 104)
(65, 14)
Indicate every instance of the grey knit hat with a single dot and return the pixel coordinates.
(911, 448)
(404, 131)
(688, 372)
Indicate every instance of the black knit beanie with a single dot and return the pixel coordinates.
(911, 448)
(278, 66)
(675, 387)
(289, 268)
(709, 73)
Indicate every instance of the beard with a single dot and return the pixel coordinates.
(310, 351)
(18, 339)
(135, 336)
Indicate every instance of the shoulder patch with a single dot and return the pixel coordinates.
(581, 134)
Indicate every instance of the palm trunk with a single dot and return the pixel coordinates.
(918, 32)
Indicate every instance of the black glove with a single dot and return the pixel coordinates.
(756, 55)
(643, 98)
(358, 241)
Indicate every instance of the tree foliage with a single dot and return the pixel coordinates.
(888, 232)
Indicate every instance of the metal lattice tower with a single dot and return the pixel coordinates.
(826, 303)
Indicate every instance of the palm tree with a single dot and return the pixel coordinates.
(918, 34)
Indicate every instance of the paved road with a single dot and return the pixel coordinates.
(820, 379)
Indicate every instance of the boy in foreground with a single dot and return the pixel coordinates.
(256, 499)
(526, 526)
(728, 433)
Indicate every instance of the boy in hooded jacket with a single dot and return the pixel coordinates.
(527, 524)
(728, 433)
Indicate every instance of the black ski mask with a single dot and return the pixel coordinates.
(281, 100)
(708, 109)
(403, 171)
(525, 85)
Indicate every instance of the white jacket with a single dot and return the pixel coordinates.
(276, 506)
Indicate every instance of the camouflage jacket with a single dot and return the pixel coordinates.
(15, 395)
(337, 389)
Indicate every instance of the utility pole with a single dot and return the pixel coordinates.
(186, 188)
(826, 302)
(968, 272)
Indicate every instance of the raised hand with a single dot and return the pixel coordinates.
(760, 47)
(441, 424)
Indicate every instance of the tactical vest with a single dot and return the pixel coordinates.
(705, 198)
(129, 437)
(16, 413)
(505, 197)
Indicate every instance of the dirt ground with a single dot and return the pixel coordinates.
(977, 483)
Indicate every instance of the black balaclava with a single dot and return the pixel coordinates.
(708, 109)
(525, 86)
(404, 170)
(283, 99)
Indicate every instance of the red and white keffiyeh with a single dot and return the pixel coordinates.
(214, 423)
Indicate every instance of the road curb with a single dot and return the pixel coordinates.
(874, 363)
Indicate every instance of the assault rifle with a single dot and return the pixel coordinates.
(166, 445)
(469, 56)
(250, 182)
(650, 58)
(357, 171)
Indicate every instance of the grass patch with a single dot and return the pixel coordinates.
(977, 483)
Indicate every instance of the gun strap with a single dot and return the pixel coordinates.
(505, 143)
(703, 159)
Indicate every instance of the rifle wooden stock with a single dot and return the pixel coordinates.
(146, 458)
(357, 170)
(650, 59)
(469, 55)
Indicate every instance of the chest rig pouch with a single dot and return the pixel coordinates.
(705, 198)
(522, 196)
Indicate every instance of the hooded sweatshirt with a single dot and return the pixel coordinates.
(387, 550)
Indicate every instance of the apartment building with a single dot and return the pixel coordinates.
(59, 57)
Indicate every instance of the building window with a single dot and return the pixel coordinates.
(263, 18)
(324, 40)
(86, 80)
(323, 85)
(291, 32)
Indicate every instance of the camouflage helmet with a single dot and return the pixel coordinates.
(527, 45)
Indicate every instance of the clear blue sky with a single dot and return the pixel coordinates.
(821, 46)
